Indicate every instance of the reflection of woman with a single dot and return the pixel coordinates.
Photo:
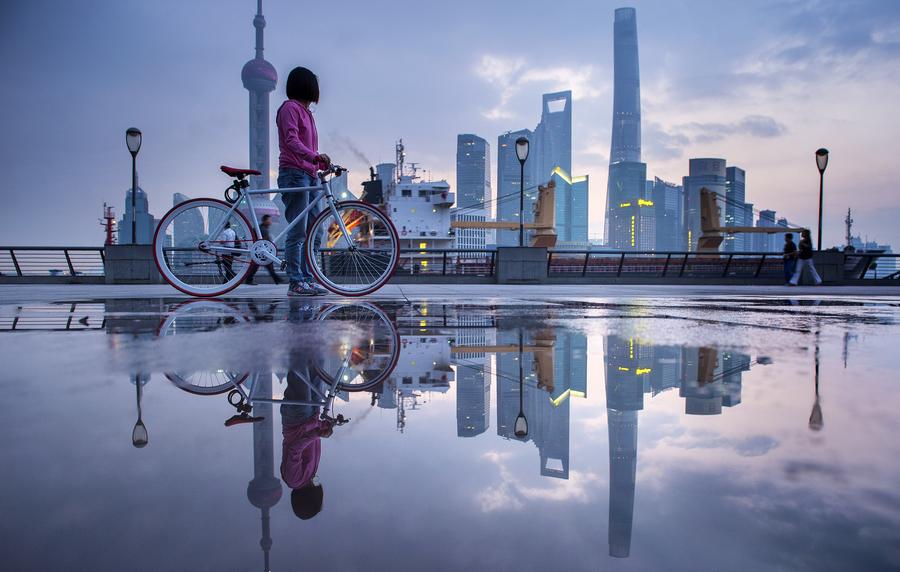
(302, 430)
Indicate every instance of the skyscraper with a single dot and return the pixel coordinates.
(508, 181)
(735, 194)
(703, 173)
(668, 203)
(550, 148)
(259, 78)
(571, 202)
(627, 174)
(473, 189)
(145, 224)
(473, 171)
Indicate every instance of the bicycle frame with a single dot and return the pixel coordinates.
(323, 190)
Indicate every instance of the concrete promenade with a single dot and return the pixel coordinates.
(457, 293)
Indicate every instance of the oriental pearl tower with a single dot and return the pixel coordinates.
(259, 78)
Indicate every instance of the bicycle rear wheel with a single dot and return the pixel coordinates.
(186, 255)
(363, 356)
(360, 265)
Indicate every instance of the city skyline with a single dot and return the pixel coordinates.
(765, 101)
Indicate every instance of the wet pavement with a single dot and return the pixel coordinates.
(678, 431)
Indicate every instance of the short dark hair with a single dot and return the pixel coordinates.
(786, 235)
(302, 85)
(307, 501)
(266, 217)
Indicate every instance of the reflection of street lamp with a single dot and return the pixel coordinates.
(821, 163)
(815, 417)
(522, 155)
(521, 426)
(139, 436)
(133, 140)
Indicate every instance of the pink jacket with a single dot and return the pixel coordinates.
(298, 140)
(301, 451)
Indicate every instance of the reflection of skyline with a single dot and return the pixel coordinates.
(706, 378)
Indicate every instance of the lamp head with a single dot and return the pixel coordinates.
(822, 159)
(522, 149)
(521, 426)
(133, 140)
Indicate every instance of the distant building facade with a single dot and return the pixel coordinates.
(145, 224)
(668, 204)
(626, 184)
(735, 194)
(473, 190)
(708, 173)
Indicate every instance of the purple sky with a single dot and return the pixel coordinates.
(762, 84)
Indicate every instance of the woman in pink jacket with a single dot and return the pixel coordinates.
(299, 159)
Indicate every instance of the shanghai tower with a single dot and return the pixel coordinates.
(627, 175)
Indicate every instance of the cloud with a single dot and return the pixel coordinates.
(510, 494)
(510, 75)
(760, 126)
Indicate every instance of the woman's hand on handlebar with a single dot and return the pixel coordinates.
(322, 161)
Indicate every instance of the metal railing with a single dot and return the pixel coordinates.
(680, 264)
(74, 261)
(446, 262)
(51, 261)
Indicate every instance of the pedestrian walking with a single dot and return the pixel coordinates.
(228, 238)
(790, 257)
(264, 229)
(805, 259)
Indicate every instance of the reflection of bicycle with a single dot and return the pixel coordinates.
(363, 354)
(205, 247)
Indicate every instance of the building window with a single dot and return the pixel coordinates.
(406, 192)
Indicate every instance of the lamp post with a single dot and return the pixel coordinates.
(821, 163)
(521, 426)
(815, 417)
(522, 154)
(133, 141)
(139, 435)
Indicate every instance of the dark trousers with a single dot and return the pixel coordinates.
(271, 269)
(790, 266)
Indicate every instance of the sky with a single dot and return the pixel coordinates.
(761, 84)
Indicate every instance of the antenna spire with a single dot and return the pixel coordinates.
(259, 22)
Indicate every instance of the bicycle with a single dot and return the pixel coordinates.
(352, 247)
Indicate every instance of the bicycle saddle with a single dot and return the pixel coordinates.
(239, 173)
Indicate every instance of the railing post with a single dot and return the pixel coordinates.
(759, 266)
(69, 262)
(666, 267)
(549, 260)
(444, 264)
(727, 265)
(12, 254)
(683, 264)
(493, 254)
(621, 262)
(587, 256)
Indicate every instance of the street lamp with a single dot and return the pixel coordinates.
(139, 435)
(133, 141)
(821, 163)
(521, 426)
(522, 154)
(815, 417)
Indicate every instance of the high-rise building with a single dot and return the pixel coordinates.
(473, 172)
(550, 146)
(553, 136)
(508, 181)
(188, 227)
(145, 224)
(473, 191)
(259, 78)
(735, 194)
(766, 242)
(627, 174)
(668, 202)
(703, 173)
(571, 203)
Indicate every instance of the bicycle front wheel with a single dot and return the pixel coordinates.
(193, 261)
(360, 262)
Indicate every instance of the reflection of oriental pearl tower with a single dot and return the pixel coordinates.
(264, 491)
(259, 78)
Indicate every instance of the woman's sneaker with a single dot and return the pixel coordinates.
(300, 289)
(316, 288)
